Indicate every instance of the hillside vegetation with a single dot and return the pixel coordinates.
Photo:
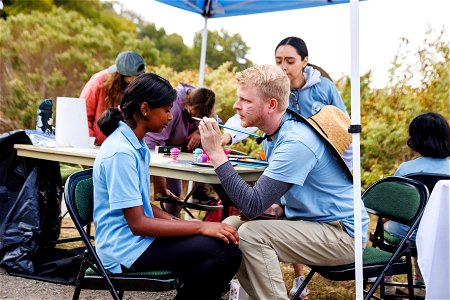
(51, 52)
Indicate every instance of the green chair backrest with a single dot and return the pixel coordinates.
(84, 200)
(396, 199)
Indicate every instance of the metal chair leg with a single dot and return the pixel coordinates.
(303, 285)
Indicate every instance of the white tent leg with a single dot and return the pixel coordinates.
(356, 120)
(201, 72)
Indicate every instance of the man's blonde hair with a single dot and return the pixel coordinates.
(270, 82)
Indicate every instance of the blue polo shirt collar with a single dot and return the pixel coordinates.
(128, 133)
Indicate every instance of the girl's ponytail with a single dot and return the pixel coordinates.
(109, 120)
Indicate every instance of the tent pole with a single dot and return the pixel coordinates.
(201, 72)
(356, 120)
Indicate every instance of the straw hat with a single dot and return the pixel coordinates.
(332, 125)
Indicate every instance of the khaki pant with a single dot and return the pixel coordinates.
(266, 243)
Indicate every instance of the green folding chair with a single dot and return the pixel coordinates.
(79, 199)
(396, 198)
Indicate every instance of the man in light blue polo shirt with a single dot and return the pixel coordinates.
(305, 173)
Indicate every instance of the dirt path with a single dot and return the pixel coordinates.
(17, 288)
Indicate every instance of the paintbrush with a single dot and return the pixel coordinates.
(234, 129)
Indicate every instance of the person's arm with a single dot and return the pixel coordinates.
(251, 200)
(160, 188)
(141, 224)
(90, 93)
(193, 140)
(334, 97)
(233, 137)
(348, 157)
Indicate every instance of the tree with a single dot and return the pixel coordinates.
(46, 55)
(172, 50)
(14, 7)
(223, 47)
(419, 82)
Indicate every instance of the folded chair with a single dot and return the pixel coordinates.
(79, 199)
(395, 198)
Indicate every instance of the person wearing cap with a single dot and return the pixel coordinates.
(305, 173)
(105, 88)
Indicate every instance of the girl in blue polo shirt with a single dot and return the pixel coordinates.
(131, 233)
(429, 137)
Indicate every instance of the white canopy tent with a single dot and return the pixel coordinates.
(225, 8)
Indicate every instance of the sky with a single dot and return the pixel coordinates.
(326, 30)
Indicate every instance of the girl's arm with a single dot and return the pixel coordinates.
(141, 224)
(91, 93)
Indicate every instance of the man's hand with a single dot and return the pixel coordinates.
(226, 140)
(211, 141)
(275, 210)
(193, 140)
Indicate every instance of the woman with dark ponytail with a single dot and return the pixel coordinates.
(131, 233)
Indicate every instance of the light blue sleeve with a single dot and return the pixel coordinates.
(401, 170)
(291, 163)
(333, 95)
(122, 181)
(235, 122)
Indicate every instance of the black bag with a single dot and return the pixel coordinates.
(30, 208)
(54, 265)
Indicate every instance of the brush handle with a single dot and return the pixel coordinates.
(234, 129)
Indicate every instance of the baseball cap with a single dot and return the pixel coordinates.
(128, 63)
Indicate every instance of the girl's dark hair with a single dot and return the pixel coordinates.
(202, 100)
(113, 89)
(301, 49)
(323, 73)
(429, 134)
(297, 43)
(147, 87)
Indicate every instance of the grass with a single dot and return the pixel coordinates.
(320, 288)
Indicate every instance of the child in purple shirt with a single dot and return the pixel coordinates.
(182, 132)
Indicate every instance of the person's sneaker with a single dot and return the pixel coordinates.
(201, 195)
(418, 282)
(371, 279)
(296, 284)
(418, 292)
(390, 290)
